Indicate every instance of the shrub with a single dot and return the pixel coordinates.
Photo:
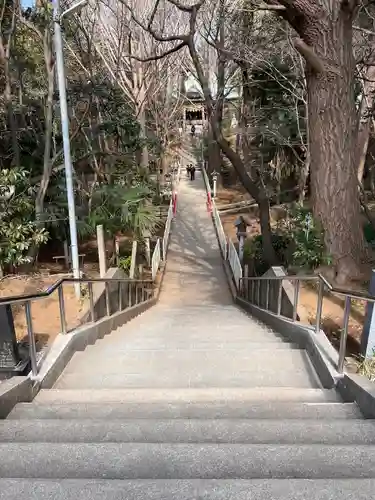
(125, 263)
(307, 239)
(254, 251)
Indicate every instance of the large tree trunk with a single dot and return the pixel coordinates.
(332, 133)
(365, 120)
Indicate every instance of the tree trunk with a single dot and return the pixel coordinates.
(332, 136)
(253, 186)
(365, 120)
(5, 59)
(214, 152)
(47, 164)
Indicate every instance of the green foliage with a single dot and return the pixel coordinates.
(125, 263)
(254, 250)
(297, 241)
(18, 229)
(119, 209)
(369, 232)
(308, 249)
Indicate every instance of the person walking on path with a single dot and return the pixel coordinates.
(192, 173)
(193, 130)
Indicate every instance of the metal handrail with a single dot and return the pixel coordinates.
(220, 231)
(167, 231)
(235, 264)
(155, 260)
(27, 300)
(339, 291)
(13, 299)
(349, 295)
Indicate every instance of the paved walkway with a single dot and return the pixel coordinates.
(194, 337)
(194, 273)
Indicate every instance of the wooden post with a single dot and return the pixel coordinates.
(148, 251)
(134, 257)
(117, 249)
(101, 250)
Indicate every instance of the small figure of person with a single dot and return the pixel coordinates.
(188, 170)
(193, 130)
(192, 173)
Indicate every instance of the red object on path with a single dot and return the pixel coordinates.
(209, 202)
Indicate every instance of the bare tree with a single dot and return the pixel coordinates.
(250, 178)
(9, 12)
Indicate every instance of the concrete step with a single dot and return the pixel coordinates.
(185, 461)
(202, 410)
(195, 379)
(228, 489)
(139, 343)
(180, 327)
(186, 396)
(190, 360)
(241, 431)
(95, 351)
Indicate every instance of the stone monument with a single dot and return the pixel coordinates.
(12, 361)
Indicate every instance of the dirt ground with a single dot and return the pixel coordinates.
(332, 317)
(45, 312)
(333, 306)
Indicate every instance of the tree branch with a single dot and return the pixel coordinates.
(308, 53)
(160, 56)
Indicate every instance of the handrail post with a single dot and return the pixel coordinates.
(31, 336)
(319, 307)
(267, 294)
(120, 295)
(107, 304)
(91, 299)
(62, 309)
(279, 297)
(295, 302)
(344, 335)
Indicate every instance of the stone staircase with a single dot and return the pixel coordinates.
(191, 400)
(201, 402)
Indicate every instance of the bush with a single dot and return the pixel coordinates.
(254, 251)
(307, 239)
(298, 241)
(369, 232)
(124, 263)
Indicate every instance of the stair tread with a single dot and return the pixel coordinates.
(185, 461)
(269, 489)
(189, 431)
(204, 410)
(186, 395)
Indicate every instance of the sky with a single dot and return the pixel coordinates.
(27, 3)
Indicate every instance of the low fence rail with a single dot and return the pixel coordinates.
(235, 264)
(220, 231)
(262, 292)
(167, 230)
(227, 247)
(156, 259)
